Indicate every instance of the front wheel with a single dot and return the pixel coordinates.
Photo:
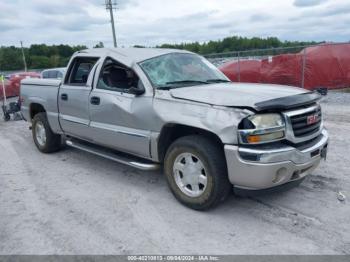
(45, 140)
(196, 172)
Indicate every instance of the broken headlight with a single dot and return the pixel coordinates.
(261, 128)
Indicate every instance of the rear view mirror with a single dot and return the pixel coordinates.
(137, 90)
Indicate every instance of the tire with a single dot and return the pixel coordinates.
(7, 117)
(52, 142)
(202, 153)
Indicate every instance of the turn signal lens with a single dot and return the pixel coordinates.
(253, 139)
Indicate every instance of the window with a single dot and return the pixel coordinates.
(52, 74)
(79, 70)
(59, 75)
(46, 74)
(116, 77)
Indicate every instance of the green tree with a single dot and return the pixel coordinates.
(10, 58)
(40, 56)
(40, 62)
(235, 43)
(99, 45)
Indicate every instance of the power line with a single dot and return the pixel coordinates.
(110, 6)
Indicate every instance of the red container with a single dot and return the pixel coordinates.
(12, 85)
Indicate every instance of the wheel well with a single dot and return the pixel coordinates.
(35, 109)
(171, 132)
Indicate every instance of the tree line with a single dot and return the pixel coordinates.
(37, 56)
(40, 56)
(236, 43)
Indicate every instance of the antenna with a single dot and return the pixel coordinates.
(110, 6)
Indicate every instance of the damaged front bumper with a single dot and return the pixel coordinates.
(265, 167)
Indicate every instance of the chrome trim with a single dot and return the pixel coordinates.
(301, 111)
(276, 167)
(117, 129)
(245, 132)
(114, 92)
(287, 153)
(289, 134)
(73, 119)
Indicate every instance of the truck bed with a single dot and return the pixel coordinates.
(43, 92)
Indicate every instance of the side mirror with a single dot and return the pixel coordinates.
(137, 90)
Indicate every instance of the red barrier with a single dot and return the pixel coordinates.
(12, 85)
(249, 71)
(325, 66)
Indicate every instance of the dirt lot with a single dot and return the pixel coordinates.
(72, 202)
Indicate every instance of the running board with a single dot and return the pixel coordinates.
(109, 154)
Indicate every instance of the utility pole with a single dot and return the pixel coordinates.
(24, 58)
(303, 67)
(110, 6)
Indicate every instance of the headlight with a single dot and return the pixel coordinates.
(261, 128)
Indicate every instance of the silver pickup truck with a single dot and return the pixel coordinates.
(157, 107)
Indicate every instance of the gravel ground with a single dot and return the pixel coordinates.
(72, 202)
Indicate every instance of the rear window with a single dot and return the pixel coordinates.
(79, 70)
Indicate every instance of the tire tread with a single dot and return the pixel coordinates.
(214, 153)
(53, 141)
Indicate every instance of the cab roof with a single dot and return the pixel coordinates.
(130, 56)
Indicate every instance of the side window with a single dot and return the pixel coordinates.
(116, 77)
(52, 74)
(59, 75)
(46, 74)
(79, 70)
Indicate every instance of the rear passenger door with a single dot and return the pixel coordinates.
(74, 95)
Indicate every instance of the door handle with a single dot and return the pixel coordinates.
(64, 97)
(95, 100)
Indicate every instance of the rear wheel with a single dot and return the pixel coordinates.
(7, 117)
(196, 172)
(45, 140)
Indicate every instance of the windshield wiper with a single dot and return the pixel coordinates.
(175, 84)
(187, 82)
(164, 87)
(218, 80)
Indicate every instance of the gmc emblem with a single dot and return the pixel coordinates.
(312, 119)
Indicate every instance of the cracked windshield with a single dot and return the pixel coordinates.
(179, 70)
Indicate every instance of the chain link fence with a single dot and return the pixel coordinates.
(324, 65)
(311, 67)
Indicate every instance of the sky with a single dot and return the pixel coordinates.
(153, 22)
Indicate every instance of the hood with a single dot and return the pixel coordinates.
(257, 96)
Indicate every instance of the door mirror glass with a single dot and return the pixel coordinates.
(137, 90)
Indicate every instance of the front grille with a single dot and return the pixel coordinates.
(300, 124)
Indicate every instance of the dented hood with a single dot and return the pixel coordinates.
(257, 96)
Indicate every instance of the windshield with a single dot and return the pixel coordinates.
(180, 69)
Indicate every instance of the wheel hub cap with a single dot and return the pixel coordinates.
(40, 134)
(190, 174)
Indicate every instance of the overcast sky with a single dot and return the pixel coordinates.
(151, 22)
